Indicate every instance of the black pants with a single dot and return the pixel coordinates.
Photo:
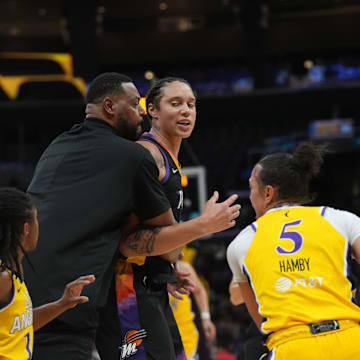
(254, 344)
(62, 341)
(163, 340)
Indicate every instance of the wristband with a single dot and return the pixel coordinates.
(205, 315)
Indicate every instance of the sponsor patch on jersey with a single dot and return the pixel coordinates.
(284, 284)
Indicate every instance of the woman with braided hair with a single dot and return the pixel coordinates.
(292, 263)
(18, 234)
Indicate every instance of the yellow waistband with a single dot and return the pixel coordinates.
(302, 331)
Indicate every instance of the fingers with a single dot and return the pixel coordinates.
(230, 200)
(86, 280)
(232, 223)
(215, 197)
(235, 211)
(82, 280)
(182, 273)
(80, 300)
(176, 295)
(183, 291)
(79, 283)
(91, 278)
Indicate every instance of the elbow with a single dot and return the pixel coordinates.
(125, 251)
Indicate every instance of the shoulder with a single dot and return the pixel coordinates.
(345, 222)
(5, 287)
(333, 214)
(240, 245)
(154, 150)
(155, 153)
(237, 251)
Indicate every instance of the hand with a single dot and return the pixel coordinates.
(209, 329)
(184, 284)
(220, 216)
(71, 296)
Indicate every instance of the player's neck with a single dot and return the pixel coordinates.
(280, 204)
(171, 143)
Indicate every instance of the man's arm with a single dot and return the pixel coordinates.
(164, 234)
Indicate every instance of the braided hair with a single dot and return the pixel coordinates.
(291, 173)
(16, 208)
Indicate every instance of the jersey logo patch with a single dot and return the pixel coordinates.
(132, 340)
(174, 171)
(283, 284)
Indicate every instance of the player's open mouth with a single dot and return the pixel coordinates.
(184, 123)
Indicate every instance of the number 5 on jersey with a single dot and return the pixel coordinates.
(293, 235)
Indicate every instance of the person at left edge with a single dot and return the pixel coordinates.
(19, 230)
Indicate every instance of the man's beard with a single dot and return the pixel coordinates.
(129, 131)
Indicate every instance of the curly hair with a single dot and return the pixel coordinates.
(16, 208)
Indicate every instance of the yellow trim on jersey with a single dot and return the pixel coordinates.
(138, 260)
(16, 329)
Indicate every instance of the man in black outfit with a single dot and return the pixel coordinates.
(85, 186)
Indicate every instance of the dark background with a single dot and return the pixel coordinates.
(263, 71)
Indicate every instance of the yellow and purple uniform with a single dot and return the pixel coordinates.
(184, 317)
(296, 260)
(16, 329)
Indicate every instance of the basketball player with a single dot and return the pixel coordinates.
(171, 106)
(292, 263)
(19, 234)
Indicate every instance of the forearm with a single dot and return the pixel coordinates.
(251, 304)
(201, 299)
(45, 313)
(172, 256)
(161, 240)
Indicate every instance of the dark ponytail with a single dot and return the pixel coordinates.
(291, 174)
(309, 158)
(16, 208)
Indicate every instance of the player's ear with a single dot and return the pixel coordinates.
(270, 194)
(152, 110)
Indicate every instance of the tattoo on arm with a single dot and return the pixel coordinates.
(159, 160)
(142, 241)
